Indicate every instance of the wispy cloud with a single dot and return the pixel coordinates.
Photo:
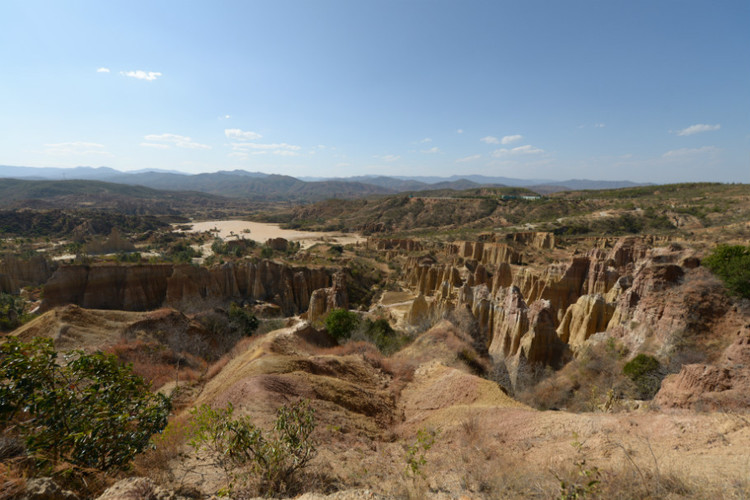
(685, 152)
(698, 128)
(425, 140)
(388, 158)
(102, 70)
(431, 150)
(242, 135)
(599, 125)
(528, 149)
(259, 146)
(168, 140)
(508, 139)
(460, 131)
(76, 148)
(467, 159)
(142, 75)
(490, 140)
(254, 148)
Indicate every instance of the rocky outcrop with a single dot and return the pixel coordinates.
(406, 245)
(543, 240)
(721, 386)
(325, 300)
(589, 315)
(279, 244)
(149, 286)
(489, 254)
(16, 273)
(114, 243)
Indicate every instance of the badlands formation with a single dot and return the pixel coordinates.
(513, 363)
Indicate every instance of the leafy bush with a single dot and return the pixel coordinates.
(340, 323)
(645, 372)
(88, 410)
(12, 312)
(385, 338)
(731, 263)
(242, 319)
(238, 446)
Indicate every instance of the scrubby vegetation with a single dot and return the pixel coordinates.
(341, 323)
(731, 263)
(88, 410)
(254, 461)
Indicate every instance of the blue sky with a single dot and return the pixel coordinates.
(653, 91)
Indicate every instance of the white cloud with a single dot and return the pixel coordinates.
(102, 70)
(467, 159)
(510, 139)
(528, 149)
(599, 125)
(142, 75)
(154, 145)
(179, 141)
(683, 152)
(258, 146)
(425, 140)
(697, 128)
(242, 135)
(460, 131)
(490, 140)
(343, 164)
(388, 158)
(75, 148)
(431, 150)
(238, 154)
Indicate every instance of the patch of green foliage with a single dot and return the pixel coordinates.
(12, 312)
(87, 409)
(341, 323)
(238, 248)
(731, 263)
(645, 372)
(385, 338)
(182, 252)
(246, 453)
(416, 453)
(242, 319)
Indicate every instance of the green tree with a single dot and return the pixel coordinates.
(88, 410)
(731, 263)
(340, 323)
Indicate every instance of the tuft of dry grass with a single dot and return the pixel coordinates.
(158, 363)
(13, 478)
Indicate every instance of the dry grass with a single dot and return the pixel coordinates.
(156, 463)
(13, 476)
(157, 363)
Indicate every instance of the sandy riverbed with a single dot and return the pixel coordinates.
(261, 231)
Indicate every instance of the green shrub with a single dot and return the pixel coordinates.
(645, 372)
(275, 459)
(87, 410)
(12, 312)
(242, 319)
(340, 323)
(731, 263)
(385, 338)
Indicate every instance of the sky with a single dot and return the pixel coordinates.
(648, 91)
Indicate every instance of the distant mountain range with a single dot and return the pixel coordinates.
(271, 187)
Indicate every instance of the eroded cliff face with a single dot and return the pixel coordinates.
(149, 286)
(16, 272)
(544, 315)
